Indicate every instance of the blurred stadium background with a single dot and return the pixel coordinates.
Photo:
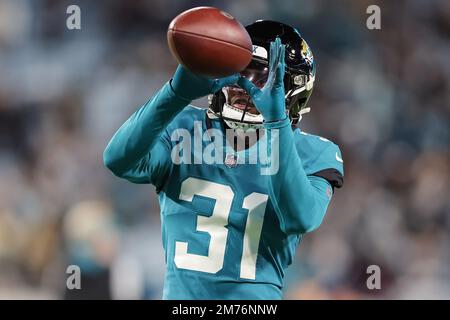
(382, 95)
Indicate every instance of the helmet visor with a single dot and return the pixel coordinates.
(257, 72)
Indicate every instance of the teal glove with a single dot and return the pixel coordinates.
(190, 86)
(270, 99)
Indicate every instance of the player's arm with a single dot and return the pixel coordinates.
(138, 151)
(300, 201)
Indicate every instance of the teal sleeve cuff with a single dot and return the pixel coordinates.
(175, 94)
(168, 91)
(277, 124)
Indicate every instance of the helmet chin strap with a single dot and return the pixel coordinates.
(245, 109)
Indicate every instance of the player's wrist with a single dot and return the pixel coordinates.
(190, 86)
(274, 116)
(277, 124)
(176, 92)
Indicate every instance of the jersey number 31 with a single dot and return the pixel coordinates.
(216, 224)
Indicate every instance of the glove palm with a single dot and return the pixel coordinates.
(270, 100)
(190, 86)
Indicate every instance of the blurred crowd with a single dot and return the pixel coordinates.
(382, 95)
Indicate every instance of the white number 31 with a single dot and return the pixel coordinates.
(216, 224)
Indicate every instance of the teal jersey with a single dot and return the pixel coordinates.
(228, 231)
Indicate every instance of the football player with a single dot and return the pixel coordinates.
(229, 232)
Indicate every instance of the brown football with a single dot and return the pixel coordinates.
(209, 42)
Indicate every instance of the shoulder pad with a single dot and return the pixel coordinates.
(318, 153)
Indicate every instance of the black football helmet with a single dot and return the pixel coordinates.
(234, 106)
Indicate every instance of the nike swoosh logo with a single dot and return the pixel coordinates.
(339, 158)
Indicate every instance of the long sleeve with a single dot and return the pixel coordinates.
(138, 151)
(300, 200)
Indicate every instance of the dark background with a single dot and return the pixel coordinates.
(382, 95)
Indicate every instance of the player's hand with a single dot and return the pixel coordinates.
(270, 100)
(191, 86)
